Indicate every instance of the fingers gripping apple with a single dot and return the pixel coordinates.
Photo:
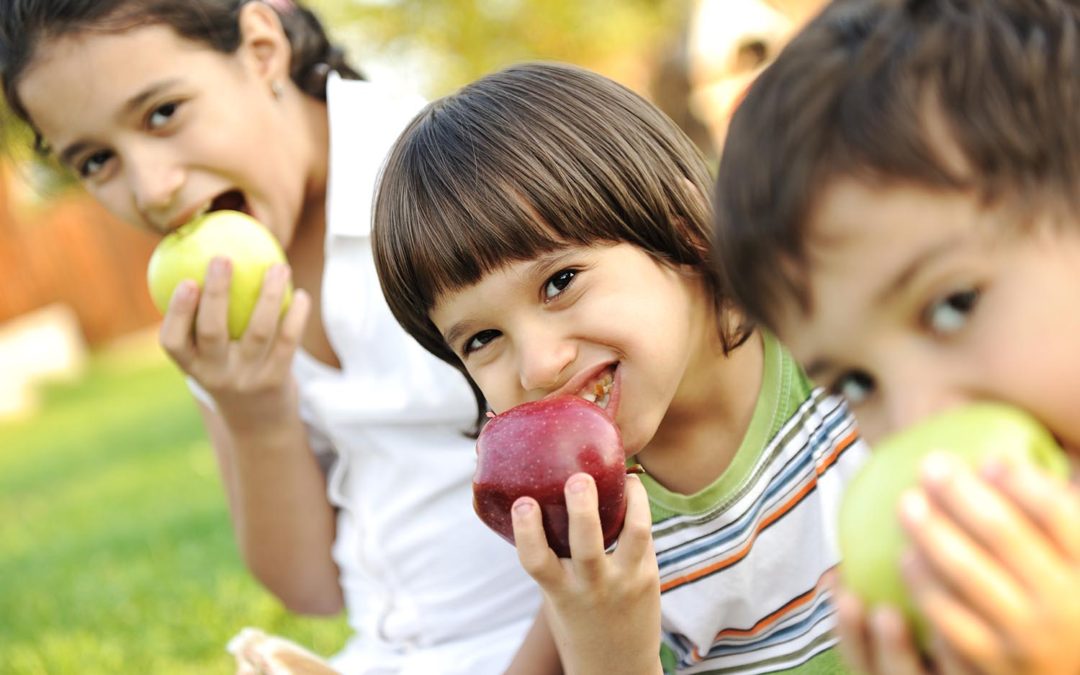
(186, 253)
(871, 538)
(532, 449)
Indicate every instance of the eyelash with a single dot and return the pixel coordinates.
(488, 334)
(564, 276)
(102, 156)
(173, 106)
(856, 377)
(568, 274)
(961, 303)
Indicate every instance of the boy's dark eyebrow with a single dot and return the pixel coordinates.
(913, 266)
(815, 368)
(68, 154)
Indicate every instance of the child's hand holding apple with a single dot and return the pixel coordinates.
(975, 555)
(231, 319)
(551, 478)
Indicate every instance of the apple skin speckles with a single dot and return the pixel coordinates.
(532, 449)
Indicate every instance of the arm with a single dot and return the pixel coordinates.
(603, 610)
(537, 654)
(283, 522)
(276, 492)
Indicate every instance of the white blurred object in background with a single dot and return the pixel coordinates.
(729, 43)
(45, 345)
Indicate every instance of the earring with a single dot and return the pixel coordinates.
(277, 89)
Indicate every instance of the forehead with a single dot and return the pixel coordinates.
(863, 240)
(83, 76)
(488, 292)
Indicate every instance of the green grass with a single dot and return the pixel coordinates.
(116, 553)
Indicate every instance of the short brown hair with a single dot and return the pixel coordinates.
(522, 162)
(851, 96)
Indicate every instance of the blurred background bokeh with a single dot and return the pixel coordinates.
(116, 554)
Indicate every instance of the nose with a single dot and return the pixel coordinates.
(921, 395)
(155, 181)
(543, 360)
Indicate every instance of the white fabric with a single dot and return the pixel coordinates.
(428, 588)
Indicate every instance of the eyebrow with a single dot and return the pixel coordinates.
(912, 268)
(133, 104)
(817, 367)
(540, 265)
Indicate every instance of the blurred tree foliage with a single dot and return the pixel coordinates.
(456, 41)
(443, 44)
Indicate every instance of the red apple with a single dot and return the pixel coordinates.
(531, 449)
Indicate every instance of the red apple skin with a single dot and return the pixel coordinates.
(531, 449)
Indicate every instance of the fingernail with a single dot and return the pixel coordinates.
(186, 289)
(914, 507)
(219, 265)
(994, 468)
(523, 507)
(577, 483)
(937, 469)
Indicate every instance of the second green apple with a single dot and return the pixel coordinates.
(871, 538)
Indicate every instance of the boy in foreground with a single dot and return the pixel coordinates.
(899, 200)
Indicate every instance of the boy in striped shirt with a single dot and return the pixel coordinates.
(546, 231)
(899, 200)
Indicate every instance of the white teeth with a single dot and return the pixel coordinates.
(590, 397)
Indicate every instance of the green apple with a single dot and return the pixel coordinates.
(186, 252)
(871, 538)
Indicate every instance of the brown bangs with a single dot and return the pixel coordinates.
(523, 162)
(957, 95)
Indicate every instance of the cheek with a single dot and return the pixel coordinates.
(496, 387)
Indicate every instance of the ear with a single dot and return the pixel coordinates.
(263, 43)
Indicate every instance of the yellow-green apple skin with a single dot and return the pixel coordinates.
(871, 538)
(186, 252)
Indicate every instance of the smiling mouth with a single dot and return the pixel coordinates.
(599, 391)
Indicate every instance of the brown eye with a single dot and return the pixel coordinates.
(952, 312)
(89, 167)
(478, 341)
(855, 386)
(162, 114)
(558, 283)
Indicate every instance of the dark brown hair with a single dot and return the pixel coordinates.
(26, 24)
(525, 161)
(865, 91)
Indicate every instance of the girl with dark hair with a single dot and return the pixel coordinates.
(341, 442)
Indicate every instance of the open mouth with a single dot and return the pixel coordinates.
(599, 391)
(233, 200)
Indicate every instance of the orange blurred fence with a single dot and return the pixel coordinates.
(71, 251)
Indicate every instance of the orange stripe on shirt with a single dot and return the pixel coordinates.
(765, 522)
(760, 626)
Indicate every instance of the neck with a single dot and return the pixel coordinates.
(706, 422)
(311, 223)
